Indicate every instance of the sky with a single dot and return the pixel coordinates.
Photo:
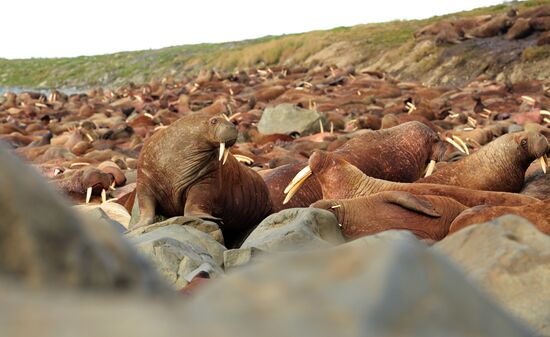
(63, 28)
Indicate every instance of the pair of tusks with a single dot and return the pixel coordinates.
(411, 107)
(545, 113)
(455, 141)
(244, 159)
(296, 183)
(89, 195)
(528, 100)
(223, 153)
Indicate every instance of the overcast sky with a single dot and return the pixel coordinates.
(56, 28)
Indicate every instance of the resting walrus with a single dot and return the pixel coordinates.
(181, 172)
(341, 180)
(498, 166)
(427, 216)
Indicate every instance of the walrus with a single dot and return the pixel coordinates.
(341, 180)
(538, 213)
(181, 172)
(498, 166)
(400, 153)
(427, 216)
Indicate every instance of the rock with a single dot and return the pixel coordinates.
(177, 250)
(43, 243)
(287, 118)
(514, 128)
(208, 227)
(296, 228)
(510, 259)
(519, 30)
(239, 257)
(96, 215)
(385, 288)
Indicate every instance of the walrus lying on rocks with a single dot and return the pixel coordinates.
(341, 180)
(186, 169)
(498, 166)
(538, 213)
(427, 216)
(372, 153)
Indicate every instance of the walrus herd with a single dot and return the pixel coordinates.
(378, 153)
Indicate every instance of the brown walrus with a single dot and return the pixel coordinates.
(181, 171)
(400, 153)
(538, 213)
(427, 216)
(341, 180)
(498, 166)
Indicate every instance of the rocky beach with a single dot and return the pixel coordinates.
(325, 199)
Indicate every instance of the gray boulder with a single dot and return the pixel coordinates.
(287, 118)
(178, 250)
(510, 259)
(296, 228)
(44, 243)
(389, 287)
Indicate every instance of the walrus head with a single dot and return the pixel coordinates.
(533, 145)
(221, 131)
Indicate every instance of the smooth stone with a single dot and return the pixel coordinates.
(296, 228)
(287, 118)
(510, 258)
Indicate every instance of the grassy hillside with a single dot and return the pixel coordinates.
(359, 45)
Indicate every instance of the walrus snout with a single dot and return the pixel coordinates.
(538, 145)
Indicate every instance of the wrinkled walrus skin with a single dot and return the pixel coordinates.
(427, 216)
(341, 180)
(179, 173)
(400, 153)
(498, 166)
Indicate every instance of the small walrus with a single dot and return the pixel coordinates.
(181, 172)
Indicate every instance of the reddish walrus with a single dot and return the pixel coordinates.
(186, 169)
(400, 153)
(341, 180)
(538, 213)
(498, 166)
(427, 216)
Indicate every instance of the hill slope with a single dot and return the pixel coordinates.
(387, 47)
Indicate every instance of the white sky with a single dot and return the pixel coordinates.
(55, 28)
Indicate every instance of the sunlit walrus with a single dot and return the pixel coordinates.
(186, 169)
(341, 180)
(497, 166)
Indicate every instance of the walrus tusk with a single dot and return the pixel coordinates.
(459, 141)
(225, 116)
(331, 128)
(79, 164)
(430, 168)
(296, 182)
(544, 112)
(321, 128)
(543, 164)
(89, 137)
(88, 194)
(103, 196)
(225, 154)
(335, 206)
(528, 100)
(222, 151)
(453, 143)
(472, 122)
(244, 159)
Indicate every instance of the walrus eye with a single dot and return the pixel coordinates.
(523, 142)
(214, 121)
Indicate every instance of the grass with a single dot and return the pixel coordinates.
(368, 40)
